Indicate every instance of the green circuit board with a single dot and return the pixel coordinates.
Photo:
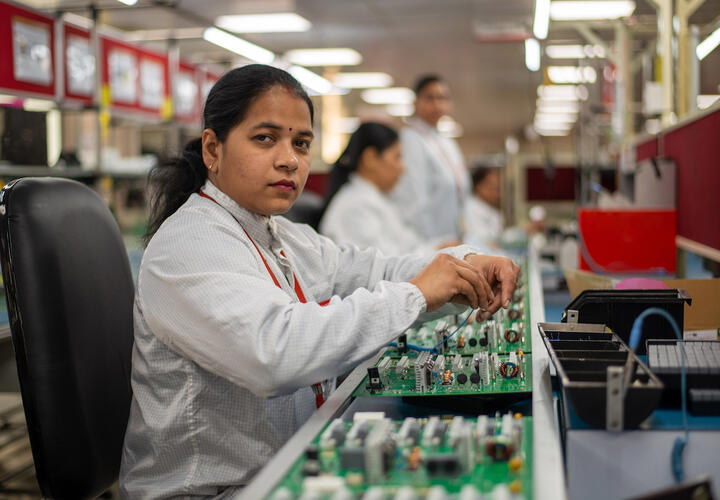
(426, 374)
(454, 458)
(449, 356)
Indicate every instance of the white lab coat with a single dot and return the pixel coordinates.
(361, 215)
(224, 359)
(483, 222)
(435, 184)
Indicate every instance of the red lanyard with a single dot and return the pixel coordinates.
(317, 387)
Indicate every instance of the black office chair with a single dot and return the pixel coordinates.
(69, 293)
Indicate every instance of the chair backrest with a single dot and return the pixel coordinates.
(70, 293)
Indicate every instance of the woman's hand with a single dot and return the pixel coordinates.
(447, 279)
(501, 274)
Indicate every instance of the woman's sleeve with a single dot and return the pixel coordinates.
(214, 305)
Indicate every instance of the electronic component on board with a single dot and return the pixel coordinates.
(402, 366)
(384, 366)
(420, 379)
(409, 432)
(460, 438)
(406, 493)
(437, 493)
(402, 344)
(374, 493)
(357, 433)
(374, 382)
(512, 336)
(457, 363)
(379, 451)
(461, 342)
(334, 435)
(461, 378)
(434, 432)
(468, 492)
(445, 465)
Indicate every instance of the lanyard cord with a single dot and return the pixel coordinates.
(316, 387)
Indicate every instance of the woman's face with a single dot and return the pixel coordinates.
(389, 167)
(264, 162)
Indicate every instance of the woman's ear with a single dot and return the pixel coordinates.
(210, 150)
(368, 158)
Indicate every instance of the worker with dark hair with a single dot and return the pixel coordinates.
(433, 189)
(240, 314)
(359, 211)
(483, 218)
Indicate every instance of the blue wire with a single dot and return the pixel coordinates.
(434, 350)
(453, 333)
(680, 443)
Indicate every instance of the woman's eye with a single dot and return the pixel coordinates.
(263, 138)
(302, 144)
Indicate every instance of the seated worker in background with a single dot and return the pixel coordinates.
(483, 218)
(231, 335)
(358, 210)
(432, 191)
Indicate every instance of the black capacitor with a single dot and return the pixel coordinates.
(461, 378)
(472, 342)
(474, 378)
(312, 453)
(483, 341)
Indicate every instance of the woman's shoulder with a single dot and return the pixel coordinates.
(196, 221)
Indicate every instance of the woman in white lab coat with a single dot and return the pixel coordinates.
(359, 211)
(239, 313)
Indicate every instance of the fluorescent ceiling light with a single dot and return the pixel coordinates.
(541, 23)
(572, 74)
(532, 54)
(555, 118)
(590, 9)
(128, 2)
(708, 45)
(280, 22)
(706, 100)
(574, 51)
(562, 92)
(238, 45)
(312, 81)
(559, 133)
(400, 109)
(552, 126)
(362, 80)
(390, 95)
(558, 106)
(165, 34)
(324, 57)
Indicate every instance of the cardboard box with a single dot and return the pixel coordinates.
(702, 318)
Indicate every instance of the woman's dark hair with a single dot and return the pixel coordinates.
(424, 81)
(370, 134)
(174, 180)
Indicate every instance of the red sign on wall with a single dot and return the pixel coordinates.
(29, 39)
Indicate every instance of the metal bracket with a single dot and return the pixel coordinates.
(572, 316)
(614, 399)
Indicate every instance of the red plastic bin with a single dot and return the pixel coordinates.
(627, 240)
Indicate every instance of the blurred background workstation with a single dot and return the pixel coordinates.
(580, 138)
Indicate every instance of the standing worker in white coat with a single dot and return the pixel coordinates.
(432, 192)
